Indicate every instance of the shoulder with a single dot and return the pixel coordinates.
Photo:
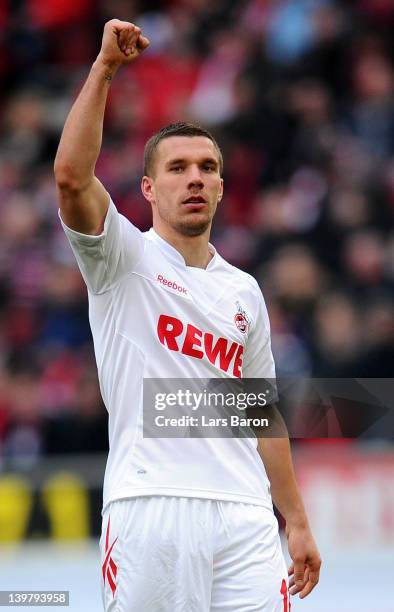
(244, 279)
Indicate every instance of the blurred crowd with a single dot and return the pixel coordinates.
(299, 94)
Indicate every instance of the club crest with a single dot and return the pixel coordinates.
(241, 319)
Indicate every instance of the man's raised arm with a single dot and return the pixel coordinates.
(83, 199)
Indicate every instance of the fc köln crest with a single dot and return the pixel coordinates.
(241, 319)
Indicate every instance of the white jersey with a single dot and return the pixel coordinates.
(152, 316)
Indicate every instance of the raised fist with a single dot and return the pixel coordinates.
(122, 42)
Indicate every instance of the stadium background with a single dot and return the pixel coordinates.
(299, 94)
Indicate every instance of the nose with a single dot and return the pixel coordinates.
(194, 177)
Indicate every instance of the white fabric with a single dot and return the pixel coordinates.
(133, 278)
(173, 554)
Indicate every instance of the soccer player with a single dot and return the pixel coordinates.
(188, 523)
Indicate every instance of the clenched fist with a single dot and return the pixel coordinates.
(122, 43)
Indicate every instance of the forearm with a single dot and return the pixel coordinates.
(305, 567)
(276, 456)
(81, 139)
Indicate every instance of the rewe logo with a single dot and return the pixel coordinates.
(198, 344)
(171, 284)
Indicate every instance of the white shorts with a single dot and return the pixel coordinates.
(177, 554)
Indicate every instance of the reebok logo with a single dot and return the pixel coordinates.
(171, 284)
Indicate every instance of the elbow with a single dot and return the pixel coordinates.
(64, 175)
(67, 179)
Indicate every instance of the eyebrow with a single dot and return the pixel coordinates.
(180, 160)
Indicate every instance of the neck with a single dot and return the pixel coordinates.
(194, 249)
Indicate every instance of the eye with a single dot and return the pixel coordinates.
(208, 168)
(176, 168)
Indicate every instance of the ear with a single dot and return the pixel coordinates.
(220, 195)
(148, 189)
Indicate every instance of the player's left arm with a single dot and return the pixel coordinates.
(305, 568)
(276, 455)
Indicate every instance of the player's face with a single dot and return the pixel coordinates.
(186, 185)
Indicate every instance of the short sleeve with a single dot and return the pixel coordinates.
(105, 259)
(258, 359)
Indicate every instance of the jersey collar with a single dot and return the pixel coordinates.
(175, 256)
